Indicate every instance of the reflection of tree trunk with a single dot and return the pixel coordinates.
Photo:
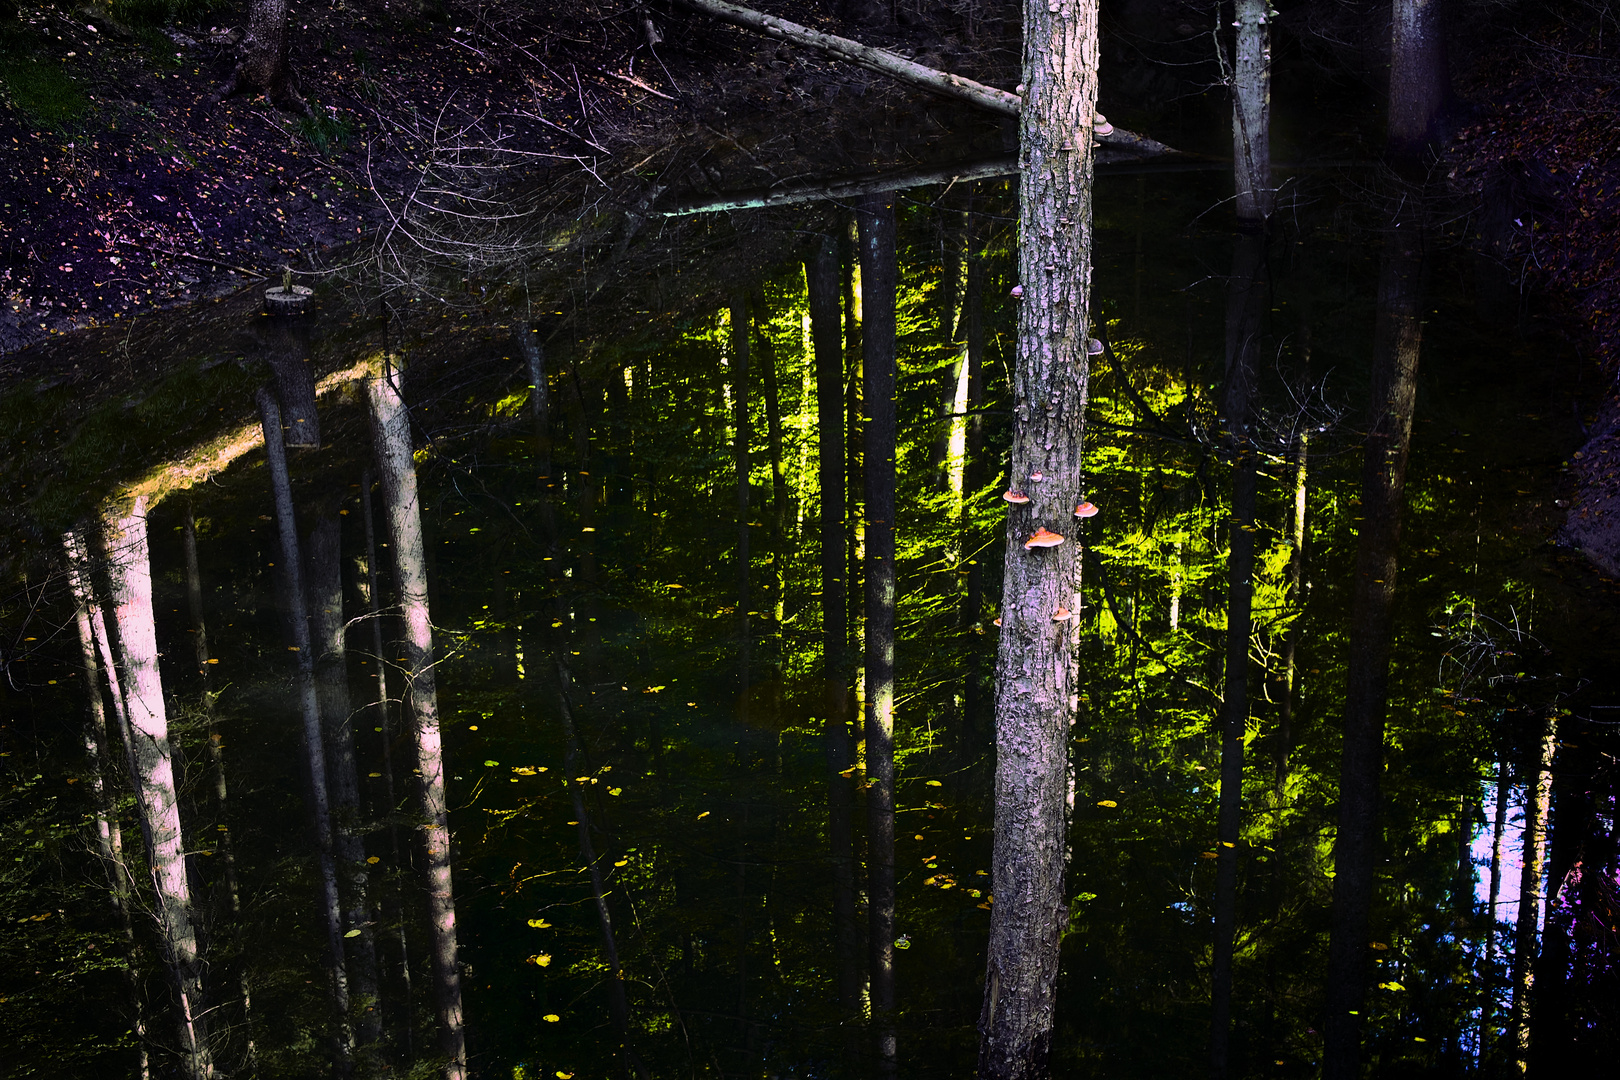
(109, 837)
(618, 1003)
(1418, 80)
(1251, 111)
(129, 571)
(949, 377)
(779, 495)
(286, 350)
(741, 435)
(1245, 311)
(1296, 598)
(875, 220)
(1537, 803)
(821, 277)
(1493, 924)
(216, 760)
(292, 578)
(1396, 341)
(1035, 674)
(332, 695)
(385, 725)
(973, 479)
(391, 439)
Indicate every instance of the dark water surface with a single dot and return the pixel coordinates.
(700, 712)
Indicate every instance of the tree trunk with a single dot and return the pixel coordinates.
(974, 469)
(1537, 803)
(109, 836)
(821, 278)
(285, 338)
(1419, 83)
(1251, 112)
(1035, 676)
(618, 1003)
(342, 774)
(216, 761)
(534, 358)
(262, 65)
(129, 572)
(741, 437)
(391, 439)
(1493, 923)
(292, 578)
(875, 220)
(1296, 596)
(1245, 312)
(779, 493)
(385, 725)
(1396, 342)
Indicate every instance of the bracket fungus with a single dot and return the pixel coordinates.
(1062, 614)
(1085, 510)
(1017, 498)
(1043, 538)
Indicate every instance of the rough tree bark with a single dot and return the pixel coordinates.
(821, 278)
(262, 64)
(1397, 340)
(332, 695)
(1035, 691)
(320, 810)
(1493, 921)
(129, 573)
(1419, 83)
(391, 441)
(875, 221)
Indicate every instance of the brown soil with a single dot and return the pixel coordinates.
(161, 196)
(1545, 165)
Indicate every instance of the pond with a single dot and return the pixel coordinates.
(659, 854)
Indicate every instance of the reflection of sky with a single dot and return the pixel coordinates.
(1507, 903)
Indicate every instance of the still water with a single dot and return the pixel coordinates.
(616, 676)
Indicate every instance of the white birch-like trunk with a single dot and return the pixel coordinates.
(309, 708)
(129, 573)
(391, 441)
(109, 837)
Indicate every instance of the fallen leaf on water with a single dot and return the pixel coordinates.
(936, 783)
(540, 924)
(551, 1018)
(1107, 802)
(622, 862)
(540, 960)
(703, 815)
(1390, 986)
(373, 860)
(352, 933)
(491, 764)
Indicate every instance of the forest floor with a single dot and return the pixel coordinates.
(1544, 162)
(129, 188)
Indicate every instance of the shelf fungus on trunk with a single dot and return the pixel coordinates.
(1085, 510)
(1017, 498)
(1043, 538)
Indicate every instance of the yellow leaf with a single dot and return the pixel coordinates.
(374, 775)
(622, 862)
(541, 960)
(539, 924)
(551, 1018)
(919, 836)
(1110, 803)
(936, 783)
(373, 860)
(703, 815)
(582, 779)
(1378, 946)
(564, 1076)
(352, 933)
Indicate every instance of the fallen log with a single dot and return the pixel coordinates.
(889, 63)
(873, 59)
(1110, 161)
